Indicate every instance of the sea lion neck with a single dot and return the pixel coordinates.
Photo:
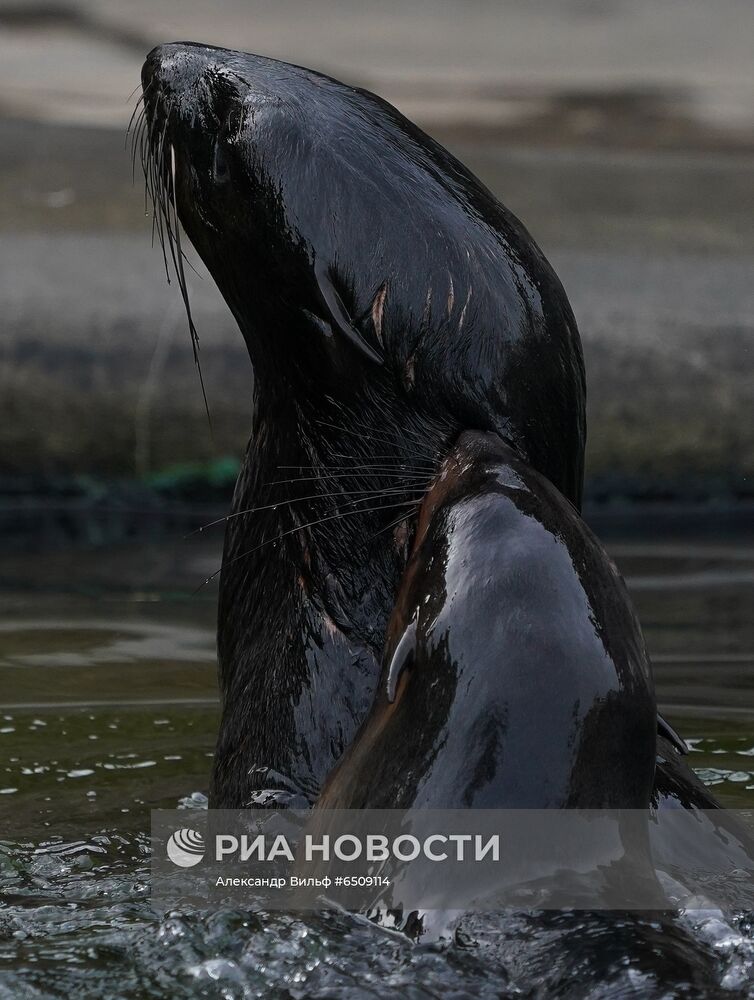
(334, 493)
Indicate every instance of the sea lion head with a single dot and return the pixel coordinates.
(364, 264)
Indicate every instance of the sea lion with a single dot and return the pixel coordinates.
(418, 412)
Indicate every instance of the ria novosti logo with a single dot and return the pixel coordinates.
(185, 848)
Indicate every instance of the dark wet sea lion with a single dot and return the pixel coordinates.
(404, 328)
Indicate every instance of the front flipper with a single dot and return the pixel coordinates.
(515, 673)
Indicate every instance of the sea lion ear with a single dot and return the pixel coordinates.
(338, 314)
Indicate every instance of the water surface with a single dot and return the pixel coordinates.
(108, 708)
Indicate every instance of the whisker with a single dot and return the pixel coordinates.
(375, 435)
(136, 140)
(369, 465)
(149, 174)
(301, 527)
(393, 524)
(370, 495)
(144, 90)
(387, 456)
(184, 287)
(138, 107)
(364, 428)
(156, 172)
(161, 190)
(158, 202)
(347, 475)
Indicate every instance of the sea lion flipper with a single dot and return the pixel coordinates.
(527, 682)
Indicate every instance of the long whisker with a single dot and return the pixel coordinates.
(370, 495)
(161, 189)
(136, 139)
(374, 466)
(386, 456)
(184, 287)
(375, 435)
(138, 107)
(144, 90)
(164, 231)
(393, 524)
(149, 174)
(161, 201)
(349, 475)
(301, 527)
(156, 213)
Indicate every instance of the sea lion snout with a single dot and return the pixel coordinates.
(195, 85)
(171, 79)
(177, 65)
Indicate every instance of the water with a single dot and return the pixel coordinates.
(108, 709)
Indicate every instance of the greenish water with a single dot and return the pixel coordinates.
(108, 709)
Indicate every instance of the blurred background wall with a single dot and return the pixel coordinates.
(620, 131)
